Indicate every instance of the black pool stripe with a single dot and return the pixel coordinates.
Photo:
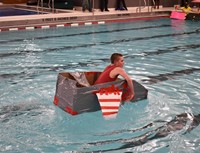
(150, 79)
(85, 33)
(47, 69)
(43, 69)
(119, 41)
(179, 122)
(146, 38)
(168, 76)
(95, 44)
(166, 50)
(159, 51)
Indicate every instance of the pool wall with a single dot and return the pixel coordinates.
(82, 23)
(42, 21)
(129, 3)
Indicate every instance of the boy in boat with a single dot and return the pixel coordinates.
(112, 71)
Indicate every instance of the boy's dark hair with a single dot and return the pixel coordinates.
(114, 57)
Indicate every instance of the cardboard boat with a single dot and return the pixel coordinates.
(179, 15)
(76, 92)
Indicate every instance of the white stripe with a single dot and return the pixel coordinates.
(101, 22)
(109, 110)
(109, 96)
(74, 24)
(13, 29)
(111, 116)
(60, 25)
(88, 23)
(44, 27)
(110, 103)
(0, 30)
(29, 28)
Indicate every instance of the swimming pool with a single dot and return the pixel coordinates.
(163, 55)
(15, 11)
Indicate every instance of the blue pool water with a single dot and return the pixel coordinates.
(14, 11)
(163, 55)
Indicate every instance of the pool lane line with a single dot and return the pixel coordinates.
(142, 54)
(86, 33)
(48, 26)
(102, 43)
(2, 55)
(149, 79)
(182, 122)
(121, 41)
(165, 51)
(168, 76)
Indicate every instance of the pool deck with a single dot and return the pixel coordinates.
(76, 17)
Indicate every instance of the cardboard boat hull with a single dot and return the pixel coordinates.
(75, 99)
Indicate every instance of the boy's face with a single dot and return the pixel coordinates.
(120, 61)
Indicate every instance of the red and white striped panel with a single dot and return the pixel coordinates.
(109, 103)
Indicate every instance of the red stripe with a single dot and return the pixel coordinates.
(110, 100)
(52, 26)
(67, 24)
(70, 111)
(4, 29)
(38, 27)
(81, 23)
(56, 100)
(95, 22)
(21, 28)
(109, 113)
(109, 107)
